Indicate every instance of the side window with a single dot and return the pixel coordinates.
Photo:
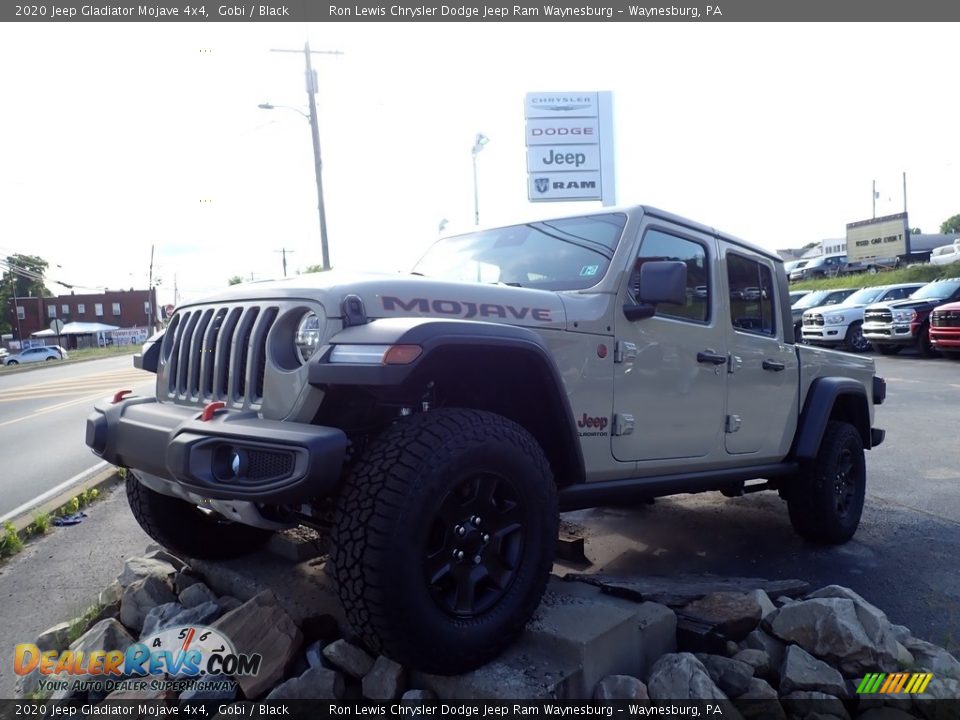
(751, 295)
(898, 294)
(658, 245)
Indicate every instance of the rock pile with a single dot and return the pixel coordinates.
(804, 653)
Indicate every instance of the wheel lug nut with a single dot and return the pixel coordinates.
(460, 554)
(461, 530)
(475, 520)
(476, 559)
(486, 538)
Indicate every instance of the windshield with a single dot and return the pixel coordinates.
(936, 290)
(567, 254)
(811, 300)
(864, 297)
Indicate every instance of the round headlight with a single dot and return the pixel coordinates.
(309, 333)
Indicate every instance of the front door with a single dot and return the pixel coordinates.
(670, 370)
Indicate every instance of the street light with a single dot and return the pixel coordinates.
(477, 147)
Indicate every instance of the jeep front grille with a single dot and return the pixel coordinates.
(878, 316)
(217, 353)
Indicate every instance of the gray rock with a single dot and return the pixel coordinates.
(764, 703)
(784, 600)
(173, 614)
(314, 654)
(731, 648)
(905, 658)
(802, 671)
(764, 601)
(139, 568)
(803, 703)
(874, 621)
(260, 625)
(735, 614)
(140, 597)
(933, 659)
(731, 676)
(774, 648)
(830, 629)
(196, 594)
(314, 684)
(680, 589)
(105, 635)
(203, 692)
(228, 603)
(900, 632)
(385, 681)
(620, 687)
(55, 638)
(680, 676)
(183, 580)
(412, 696)
(759, 660)
(110, 594)
(349, 658)
(162, 555)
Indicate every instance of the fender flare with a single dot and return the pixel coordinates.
(818, 408)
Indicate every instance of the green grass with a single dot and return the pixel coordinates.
(92, 353)
(10, 542)
(79, 625)
(920, 273)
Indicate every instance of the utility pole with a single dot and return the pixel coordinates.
(283, 252)
(150, 294)
(874, 196)
(311, 78)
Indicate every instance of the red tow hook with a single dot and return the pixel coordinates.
(210, 409)
(120, 395)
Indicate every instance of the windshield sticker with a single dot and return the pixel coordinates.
(589, 270)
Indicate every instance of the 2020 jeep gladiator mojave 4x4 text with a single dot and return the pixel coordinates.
(440, 421)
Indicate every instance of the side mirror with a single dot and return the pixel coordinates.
(661, 281)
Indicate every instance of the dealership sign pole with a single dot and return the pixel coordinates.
(570, 147)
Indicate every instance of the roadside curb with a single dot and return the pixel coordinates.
(100, 481)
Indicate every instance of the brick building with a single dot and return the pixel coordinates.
(123, 308)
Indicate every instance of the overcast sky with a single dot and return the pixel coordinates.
(115, 137)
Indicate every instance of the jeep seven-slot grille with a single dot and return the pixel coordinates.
(880, 316)
(946, 318)
(219, 353)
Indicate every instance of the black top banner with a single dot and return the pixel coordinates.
(365, 11)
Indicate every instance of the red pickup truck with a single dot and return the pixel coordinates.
(945, 328)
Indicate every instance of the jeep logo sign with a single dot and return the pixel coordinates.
(570, 146)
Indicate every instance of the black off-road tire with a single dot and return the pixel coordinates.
(888, 349)
(825, 501)
(854, 340)
(183, 529)
(399, 518)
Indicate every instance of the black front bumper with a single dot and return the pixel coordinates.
(231, 456)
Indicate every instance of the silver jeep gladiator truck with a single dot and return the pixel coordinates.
(437, 423)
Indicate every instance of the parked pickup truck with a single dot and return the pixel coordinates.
(945, 328)
(437, 423)
(892, 326)
(842, 325)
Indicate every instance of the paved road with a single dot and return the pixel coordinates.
(42, 422)
(906, 555)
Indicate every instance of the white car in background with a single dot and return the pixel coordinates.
(946, 254)
(37, 354)
(842, 324)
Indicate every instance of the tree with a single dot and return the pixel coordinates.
(235, 280)
(23, 277)
(951, 225)
(314, 269)
(916, 231)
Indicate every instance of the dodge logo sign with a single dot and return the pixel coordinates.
(542, 184)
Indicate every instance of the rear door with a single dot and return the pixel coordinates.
(762, 396)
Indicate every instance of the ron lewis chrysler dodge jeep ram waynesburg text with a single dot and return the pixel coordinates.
(440, 421)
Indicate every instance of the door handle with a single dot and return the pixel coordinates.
(773, 365)
(709, 356)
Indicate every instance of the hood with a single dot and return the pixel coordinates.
(395, 295)
(824, 309)
(907, 304)
(953, 306)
